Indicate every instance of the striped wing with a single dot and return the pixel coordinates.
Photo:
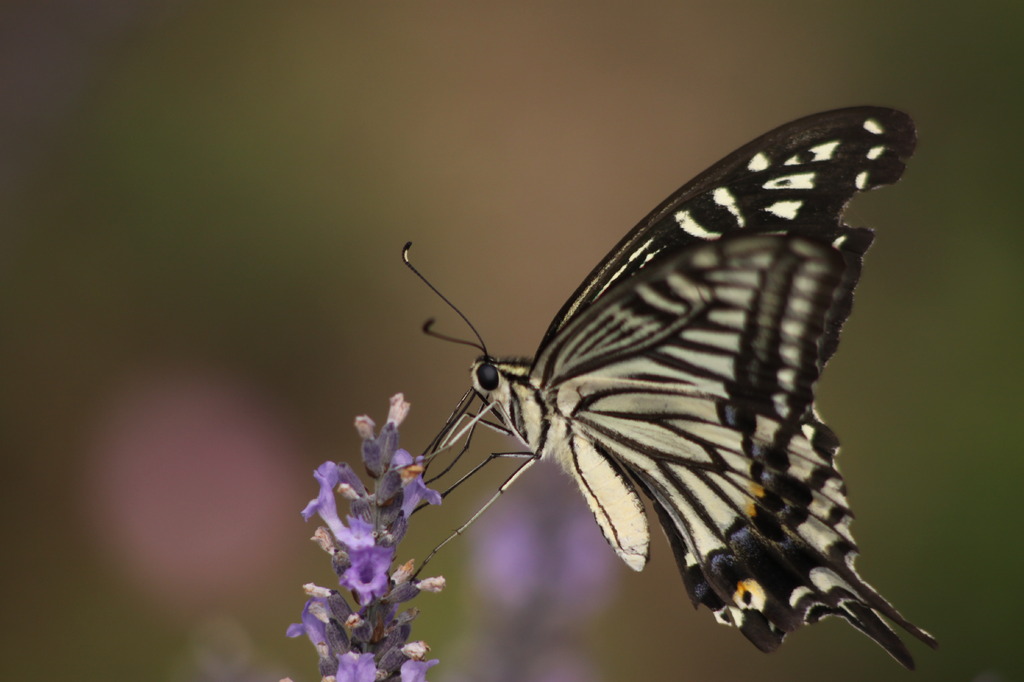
(795, 179)
(696, 377)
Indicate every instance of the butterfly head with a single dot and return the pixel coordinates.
(492, 385)
(494, 380)
(505, 385)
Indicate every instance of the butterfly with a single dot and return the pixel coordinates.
(684, 366)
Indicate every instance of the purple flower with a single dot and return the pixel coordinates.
(368, 574)
(358, 535)
(542, 567)
(416, 671)
(353, 667)
(328, 476)
(311, 626)
(415, 489)
(543, 543)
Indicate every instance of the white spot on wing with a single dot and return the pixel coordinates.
(722, 364)
(723, 197)
(737, 296)
(839, 241)
(734, 617)
(727, 317)
(633, 256)
(826, 579)
(791, 355)
(798, 594)
(683, 287)
(747, 278)
(795, 181)
(726, 342)
(786, 210)
(862, 180)
(781, 404)
(758, 162)
(824, 152)
(749, 594)
(875, 152)
(614, 278)
(800, 307)
(873, 127)
(692, 227)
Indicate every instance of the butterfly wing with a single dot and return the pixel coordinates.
(795, 179)
(696, 376)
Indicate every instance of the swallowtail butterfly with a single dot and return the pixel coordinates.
(684, 367)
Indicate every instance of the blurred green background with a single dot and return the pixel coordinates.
(203, 206)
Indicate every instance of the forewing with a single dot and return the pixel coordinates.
(739, 320)
(795, 179)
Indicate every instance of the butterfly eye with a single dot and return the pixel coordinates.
(487, 377)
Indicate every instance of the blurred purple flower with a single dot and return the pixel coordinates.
(353, 667)
(311, 626)
(327, 475)
(543, 544)
(542, 567)
(416, 671)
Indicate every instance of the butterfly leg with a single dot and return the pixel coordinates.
(531, 459)
(466, 431)
(490, 458)
(458, 456)
(465, 477)
(452, 422)
(477, 419)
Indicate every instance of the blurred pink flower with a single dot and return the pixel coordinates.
(191, 484)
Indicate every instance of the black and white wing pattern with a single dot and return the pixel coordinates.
(684, 366)
(795, 179)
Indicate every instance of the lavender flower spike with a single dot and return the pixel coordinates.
(368, 642)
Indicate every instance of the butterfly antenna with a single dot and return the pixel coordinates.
(429, 323)
(428, 329)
